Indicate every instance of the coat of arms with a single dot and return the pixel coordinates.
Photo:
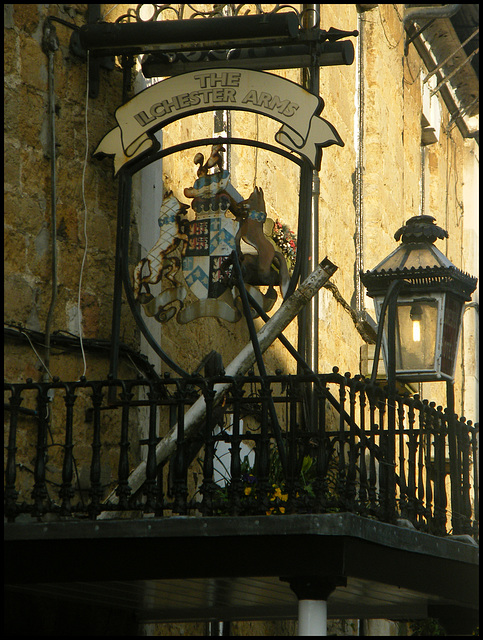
(195, 255)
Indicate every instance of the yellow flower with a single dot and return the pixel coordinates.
(274, 510)
(276, 494)
(248, 491)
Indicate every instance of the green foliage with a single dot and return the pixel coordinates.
(278, 492)
(426, 627)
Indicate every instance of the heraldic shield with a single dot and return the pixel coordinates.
(211, 240)
(200, 250)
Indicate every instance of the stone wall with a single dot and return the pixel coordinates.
(86, 196)
(85, 193)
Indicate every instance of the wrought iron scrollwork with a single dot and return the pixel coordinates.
(141, 14)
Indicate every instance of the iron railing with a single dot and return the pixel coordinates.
(272, 445)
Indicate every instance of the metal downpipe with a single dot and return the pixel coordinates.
(309, 324)
(359, 170)
(50, 44)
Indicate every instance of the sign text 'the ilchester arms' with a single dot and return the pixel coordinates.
(303, 131)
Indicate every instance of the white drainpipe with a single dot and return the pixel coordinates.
(312, 618)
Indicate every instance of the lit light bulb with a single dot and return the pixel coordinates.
(416, 331)
(416, 315)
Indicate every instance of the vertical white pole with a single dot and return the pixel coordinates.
(312, 618)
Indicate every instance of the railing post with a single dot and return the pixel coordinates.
(440, 499)
(11, 493)
(428, 465)
(391, 411)
(123, 490)
(263, 450)
(454, 464)
(403, 490)
(235, 462)
(372, 481)
(341, 467)
(363, 479)
(430, 444)
(160, 505)
(351, 469)
(412, 448)
(179, 462)
(151, 466)
(95, 490)
(208, 486)
(39, 493)
(383, 456)
(294, 397)
(322, 461)
(465, 481)
(67, 491)
(474, 447)
(421, 464)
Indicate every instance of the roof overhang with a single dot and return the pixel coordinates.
(190, 568)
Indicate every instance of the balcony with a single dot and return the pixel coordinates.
(418, 463)
(244, 481)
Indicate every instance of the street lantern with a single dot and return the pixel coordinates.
(424, 294)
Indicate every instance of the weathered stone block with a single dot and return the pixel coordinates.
(33, 113)
(33, 62)
(26, 17)
(11, 166)
(19, 299)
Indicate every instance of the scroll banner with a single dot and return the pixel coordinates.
(303, 131)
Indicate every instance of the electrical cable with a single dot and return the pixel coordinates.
(36, 353)
(67, 341)
(108, 12)
(389, 44)
(79, 316)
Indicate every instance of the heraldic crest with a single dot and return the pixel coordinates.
(194, 256)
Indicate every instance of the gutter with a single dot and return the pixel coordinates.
(432, 13)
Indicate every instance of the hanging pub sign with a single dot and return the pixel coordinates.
(303, 130)
(193, 258)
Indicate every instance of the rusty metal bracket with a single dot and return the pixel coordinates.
(95, 62)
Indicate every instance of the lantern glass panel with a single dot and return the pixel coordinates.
(453, 310)
(416, 334)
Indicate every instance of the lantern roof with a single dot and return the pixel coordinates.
(420, 263)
